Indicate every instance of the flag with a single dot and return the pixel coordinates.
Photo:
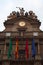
(16, 51)
(10, 48)
(33, 48)
(26, 49)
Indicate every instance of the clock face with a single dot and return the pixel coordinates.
(22, 23)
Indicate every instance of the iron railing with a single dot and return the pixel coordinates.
(22, 58)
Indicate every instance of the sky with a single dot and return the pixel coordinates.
(7, 6)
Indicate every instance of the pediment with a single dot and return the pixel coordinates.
(29, 21)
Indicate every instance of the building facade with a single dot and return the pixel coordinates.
(21, 28)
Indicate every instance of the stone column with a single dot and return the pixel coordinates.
(38, 57)
(5, 47)
(38, 47)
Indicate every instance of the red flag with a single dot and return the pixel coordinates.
(26, 49)
(16, 51)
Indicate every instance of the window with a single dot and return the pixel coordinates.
(0, 51)
(7, 44)
(21, 33)
(21, 54)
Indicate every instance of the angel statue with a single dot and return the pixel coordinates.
(21, 10)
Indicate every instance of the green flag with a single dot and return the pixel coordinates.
(10, 48)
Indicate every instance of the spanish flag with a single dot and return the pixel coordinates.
(16, 51)
(26, 49)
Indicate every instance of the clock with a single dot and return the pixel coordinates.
(22, 23)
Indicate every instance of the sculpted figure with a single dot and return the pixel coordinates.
(21, 10)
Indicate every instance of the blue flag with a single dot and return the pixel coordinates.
(33, 48)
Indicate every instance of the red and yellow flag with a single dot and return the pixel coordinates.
(16, 51)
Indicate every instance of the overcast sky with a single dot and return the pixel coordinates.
(7, 6)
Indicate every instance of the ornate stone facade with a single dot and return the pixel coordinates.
(21, 25)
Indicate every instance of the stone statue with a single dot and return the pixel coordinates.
(14, 13)
(32, 14)
(21, 10)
